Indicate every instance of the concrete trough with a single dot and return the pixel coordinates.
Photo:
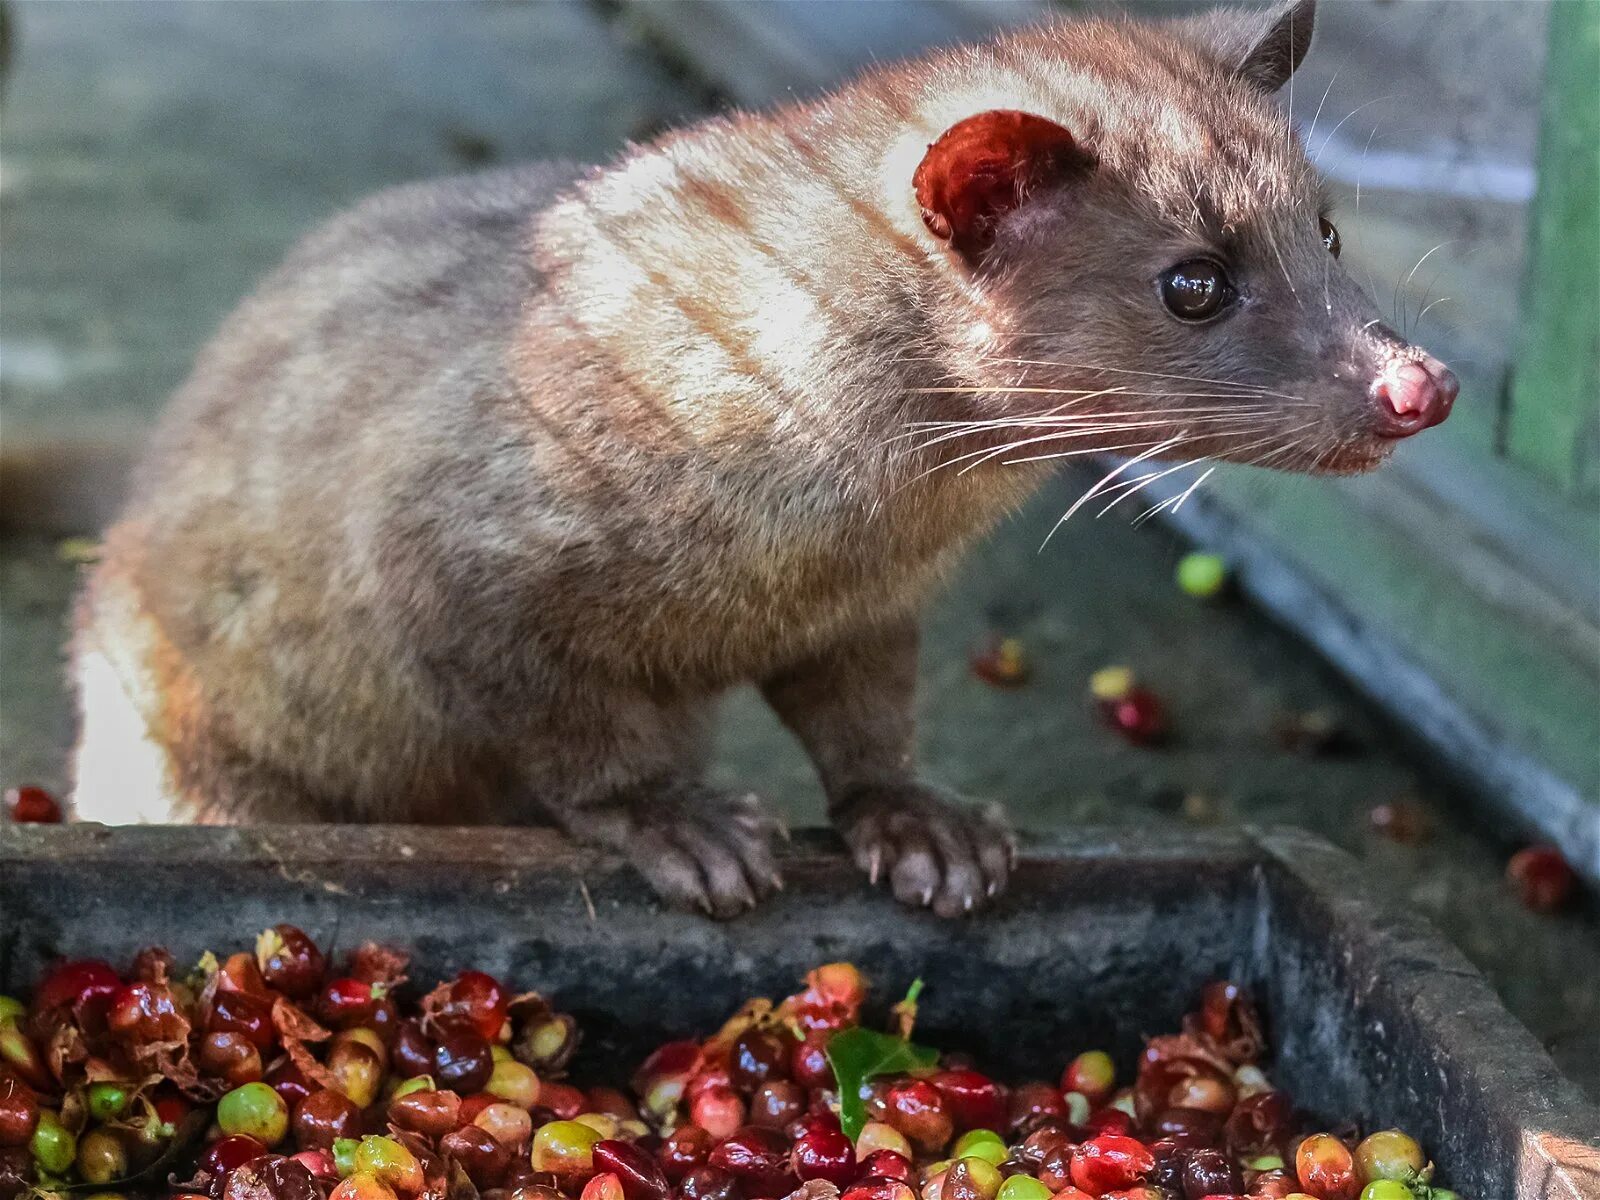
(1100, 941)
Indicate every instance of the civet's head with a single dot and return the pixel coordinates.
(1152, 252)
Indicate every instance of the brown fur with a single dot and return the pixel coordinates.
(475, 507)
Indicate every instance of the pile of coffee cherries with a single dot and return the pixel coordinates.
(271, 1076)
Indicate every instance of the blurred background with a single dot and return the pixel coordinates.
(1407, 663)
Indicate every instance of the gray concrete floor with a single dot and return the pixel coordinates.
(156, 158)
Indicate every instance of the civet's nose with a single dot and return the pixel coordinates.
(1413, 395)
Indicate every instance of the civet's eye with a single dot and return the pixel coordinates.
(1330, 236)
(1196, 290)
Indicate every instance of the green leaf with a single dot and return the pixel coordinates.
(858, 1055)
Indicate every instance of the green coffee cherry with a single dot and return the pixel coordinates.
(388, 1161)
(255, 1110)
(984, 1144)
(417, 1083)
(344, 1156)
(1202, 576)
(53, 1146)
(101, 1157)
(564, 1147)
(1023, 1187)
(107, 1101)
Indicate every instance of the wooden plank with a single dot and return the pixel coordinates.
(1511, 783)
(1555, 414)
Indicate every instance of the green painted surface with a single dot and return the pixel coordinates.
(1555, 416)
(1515, 676)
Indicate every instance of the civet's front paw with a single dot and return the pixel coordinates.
(935, 852)
(697, 847)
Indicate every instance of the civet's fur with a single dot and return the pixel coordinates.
(474, 508)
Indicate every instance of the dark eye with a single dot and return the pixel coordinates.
(1196, 290)
(1330, 236)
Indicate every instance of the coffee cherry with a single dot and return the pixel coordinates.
(709, 1183)
(362, 1186)
(611, 1101)
(875, 1136)
(1541, 877)
(412, 1050)
(825, 1154)
(463, 1062)
(229, 1153)
(565, 1149)
(324, 1117)
(758, 1158)
(239, 973)
(357, 1071)
(474, 1003)
(1092, 1075)
(102, 1157)
(566, 1101)
(290, 1082)
(1001, 662)
(1206, 1092)
(346, 1002)
(877, 1187)
(718, 1110)
(245, 1014)
(53, 1146)
(1032, 1103)
(1110, 1161)
(19, 1112)
(289, 961)
(505, 1123)
(985, 1144)
(639, 1175)
(777, 1104)
(757, 1056)
(1326, 1167)
(919, 1110)
(230, 1057)
(1202, 576)
(1023, 1187)
(254, 1110)
(1400, 821)
(684, 1149)
(975, 1100)
(888, 1165)
(29, 805)
(319, 1162)
(426, 1111)
(971, 1179)
(390, 1162)
(1209, 1173)
(1137, 716)
(1388, 1189)
(809, 1065)
(74, 981)
(1389, 1154)
(515, 1083)
(482, 1157)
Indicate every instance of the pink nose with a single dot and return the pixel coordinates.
(1413, 396)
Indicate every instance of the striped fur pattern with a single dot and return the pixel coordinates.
(474, 508)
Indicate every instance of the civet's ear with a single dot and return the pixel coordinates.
(984, 167)
(1261, 45)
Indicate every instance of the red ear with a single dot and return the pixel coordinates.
(983, 167)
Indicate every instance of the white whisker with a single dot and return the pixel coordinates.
(1169, 444)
